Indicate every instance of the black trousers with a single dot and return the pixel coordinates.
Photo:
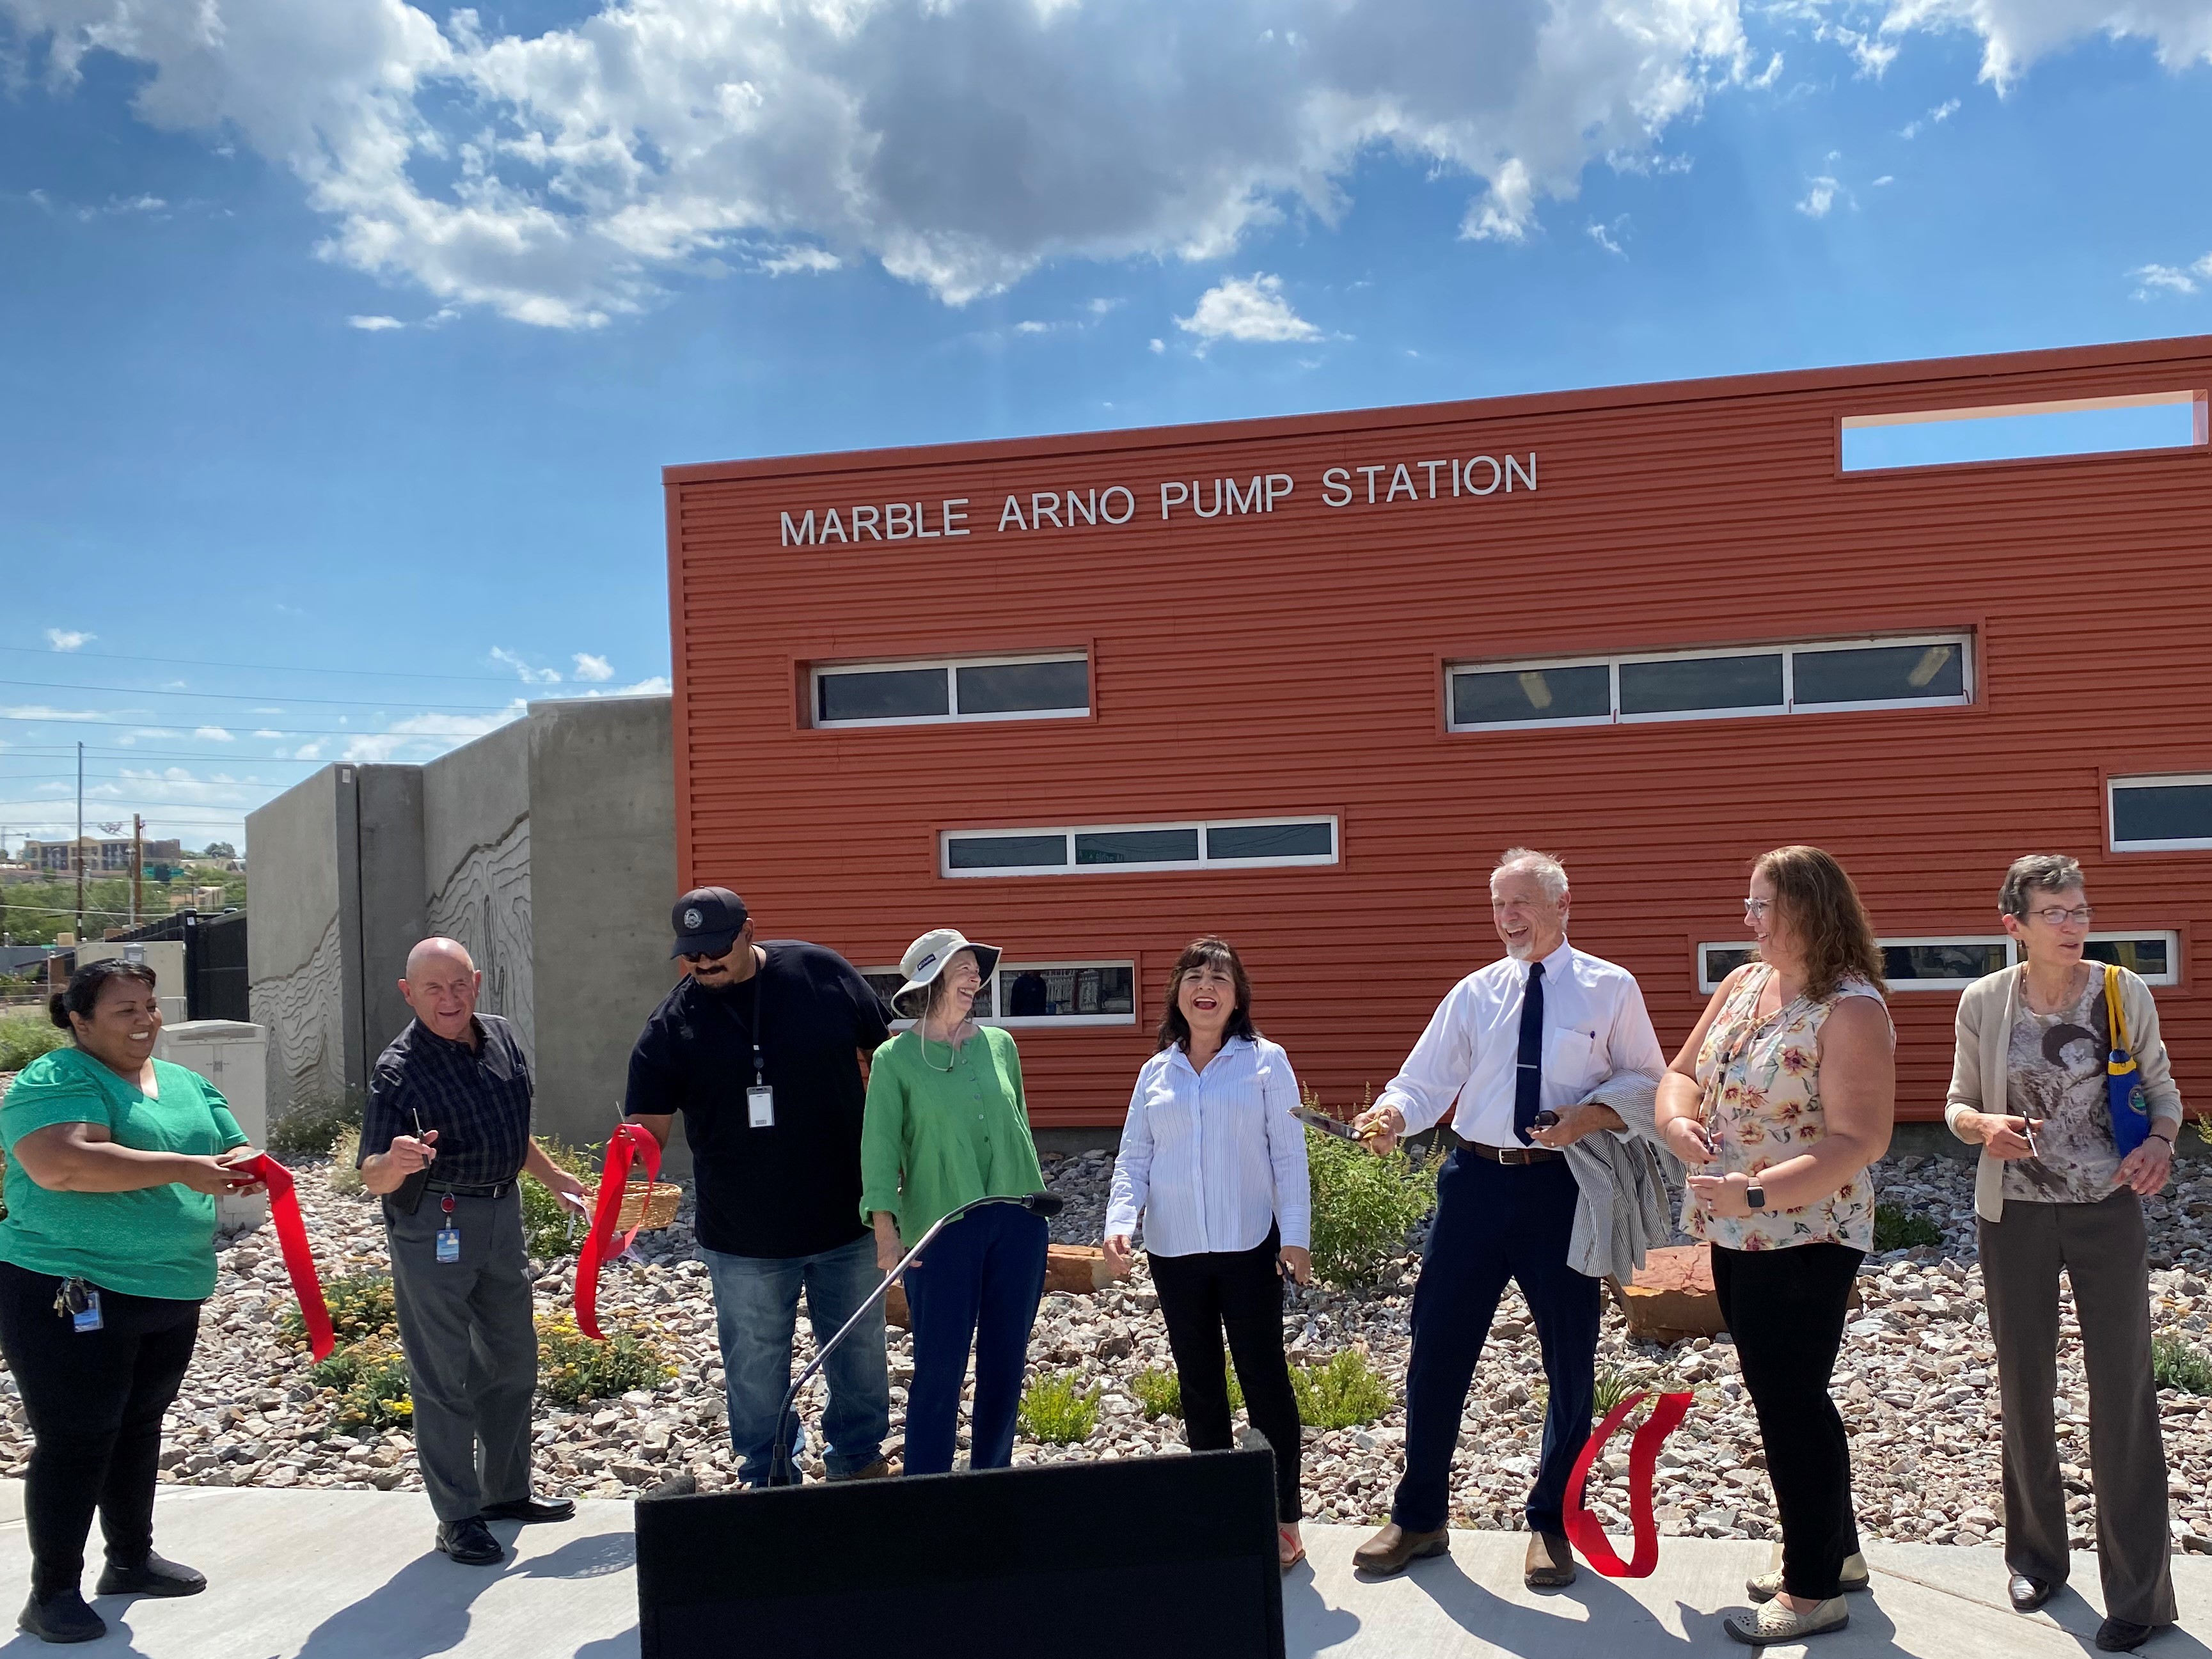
(1240, 1292)
(1785, 1308)
(94, 1400)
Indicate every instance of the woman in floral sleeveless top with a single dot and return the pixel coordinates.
(1779, 1102)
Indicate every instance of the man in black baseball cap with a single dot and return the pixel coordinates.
(760, 1046)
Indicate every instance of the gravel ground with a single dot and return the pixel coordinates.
(1916, 1381)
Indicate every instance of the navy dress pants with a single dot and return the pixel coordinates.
(1494, 1222)
(979, 1281)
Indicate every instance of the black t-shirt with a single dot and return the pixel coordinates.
(793, 1189)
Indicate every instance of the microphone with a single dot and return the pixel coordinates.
(1042, 1204)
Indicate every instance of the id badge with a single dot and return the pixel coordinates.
(87, 1318)
(760, 1107)
(449, 1243)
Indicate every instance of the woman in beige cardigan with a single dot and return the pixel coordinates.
(2052, 1191)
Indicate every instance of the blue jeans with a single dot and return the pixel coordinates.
(756, 1316)
(1495, 1222)
(980, 1281)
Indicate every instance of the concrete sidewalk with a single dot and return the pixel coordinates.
(332, 1575)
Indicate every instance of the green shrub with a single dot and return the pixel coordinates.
(361, 1311)
(24, 1037)
(345, 1173)
(313, 1122)
(1362, 1206)
(2175, 1365)
(1159, 1393)
(372, 1384)
(571, 1368)
(550, 1228)
(1896, 1227)
(1343, 1392)
(1055, 1411)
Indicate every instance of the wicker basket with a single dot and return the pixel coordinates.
(648, 1208)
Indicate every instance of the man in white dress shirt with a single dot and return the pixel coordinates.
(1519, 1045)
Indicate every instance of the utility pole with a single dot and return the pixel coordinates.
(76, 852)
(137, 865)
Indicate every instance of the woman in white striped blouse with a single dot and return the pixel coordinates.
(1214, 1161)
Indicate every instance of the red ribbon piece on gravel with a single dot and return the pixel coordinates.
(292, 1241)
(631, 1142)
(1582, 1529)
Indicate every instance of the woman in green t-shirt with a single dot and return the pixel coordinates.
(114, 1161)
(946, 1124)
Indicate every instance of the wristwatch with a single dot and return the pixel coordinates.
(1755, 1195)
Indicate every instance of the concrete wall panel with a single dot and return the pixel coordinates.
(477, 851)
(293, 954)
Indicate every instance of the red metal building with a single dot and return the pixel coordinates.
(1298, 680)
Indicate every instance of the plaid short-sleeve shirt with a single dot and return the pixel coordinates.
(477, 1098)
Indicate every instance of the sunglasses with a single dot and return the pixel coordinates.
(721, 955)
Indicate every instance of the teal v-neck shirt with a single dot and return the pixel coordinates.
(158, 1240)
(933, 1139)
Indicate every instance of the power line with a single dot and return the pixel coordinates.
(289, 732)
(256, 667)
(43, 749)
(256, 696)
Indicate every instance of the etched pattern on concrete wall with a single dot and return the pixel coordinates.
(301, 1010)
(485, 905)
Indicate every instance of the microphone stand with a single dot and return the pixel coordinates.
(781, 1473)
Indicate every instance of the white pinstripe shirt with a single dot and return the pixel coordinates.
(1212, 1160)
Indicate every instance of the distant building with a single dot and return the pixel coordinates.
(102, 856)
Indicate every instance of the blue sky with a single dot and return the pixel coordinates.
(342, 345)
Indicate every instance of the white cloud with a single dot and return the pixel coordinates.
(213, 734)
(39, 711)
(2153, 281)
(1885, 179)
(2014, 34)
(1821, 197)
(1156, 347)
(1942, 112)
(1604, 238)
(563, 178)
(265, 732)
(68, 639)
(521, 665)
(589, 667)
(374, 324)
(1101, 307)
(308, 751)
(656, 685)
(1250, 308)
(424, 736)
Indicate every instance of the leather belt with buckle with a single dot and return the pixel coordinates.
(478, 1190)
(1511, 1154)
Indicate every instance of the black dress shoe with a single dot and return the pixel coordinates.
(2028, 1593)
(527, 1510)
(61, 1617)
(470, 1542)
(152, 1576)
(2118, 1636)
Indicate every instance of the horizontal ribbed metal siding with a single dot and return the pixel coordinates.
(1289, 663)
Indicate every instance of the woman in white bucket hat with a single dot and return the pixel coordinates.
(947, 1124)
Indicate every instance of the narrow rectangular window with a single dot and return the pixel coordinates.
(1050, 992)
(1048, 852)
(2024, 432)
(1940, 964)
(1023, 688)
(892, 694)
(1136, 847)
(2162, 814)
(1935, 672)
(1678, 685)
(2155, 956)
(1509, 697)
(1716, 962)
(1312, 839)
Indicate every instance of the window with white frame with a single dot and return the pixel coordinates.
(2160, 815)
(1036, 687)
(1055, 994)
(1915, 671)
(1218, 844)
(1952, 964)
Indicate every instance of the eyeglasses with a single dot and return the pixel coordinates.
(2078, 916)
(1754, 908)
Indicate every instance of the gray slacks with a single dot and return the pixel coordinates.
(2103, 1251)
(471, 1346)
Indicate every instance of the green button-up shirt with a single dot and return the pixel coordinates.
(934, 1140)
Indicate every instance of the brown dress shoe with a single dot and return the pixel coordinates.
(1550, 1564)
(1390, 1549)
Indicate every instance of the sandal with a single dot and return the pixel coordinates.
(1774, 1622)
(1284, 1535)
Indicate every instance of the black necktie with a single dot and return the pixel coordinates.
(1528, 1076)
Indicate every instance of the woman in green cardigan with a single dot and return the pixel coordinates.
(114, 1161)
(946, 1124)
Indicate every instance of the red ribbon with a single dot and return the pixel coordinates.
(630, 1141)
(1582, 1529)
(292, 1240)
